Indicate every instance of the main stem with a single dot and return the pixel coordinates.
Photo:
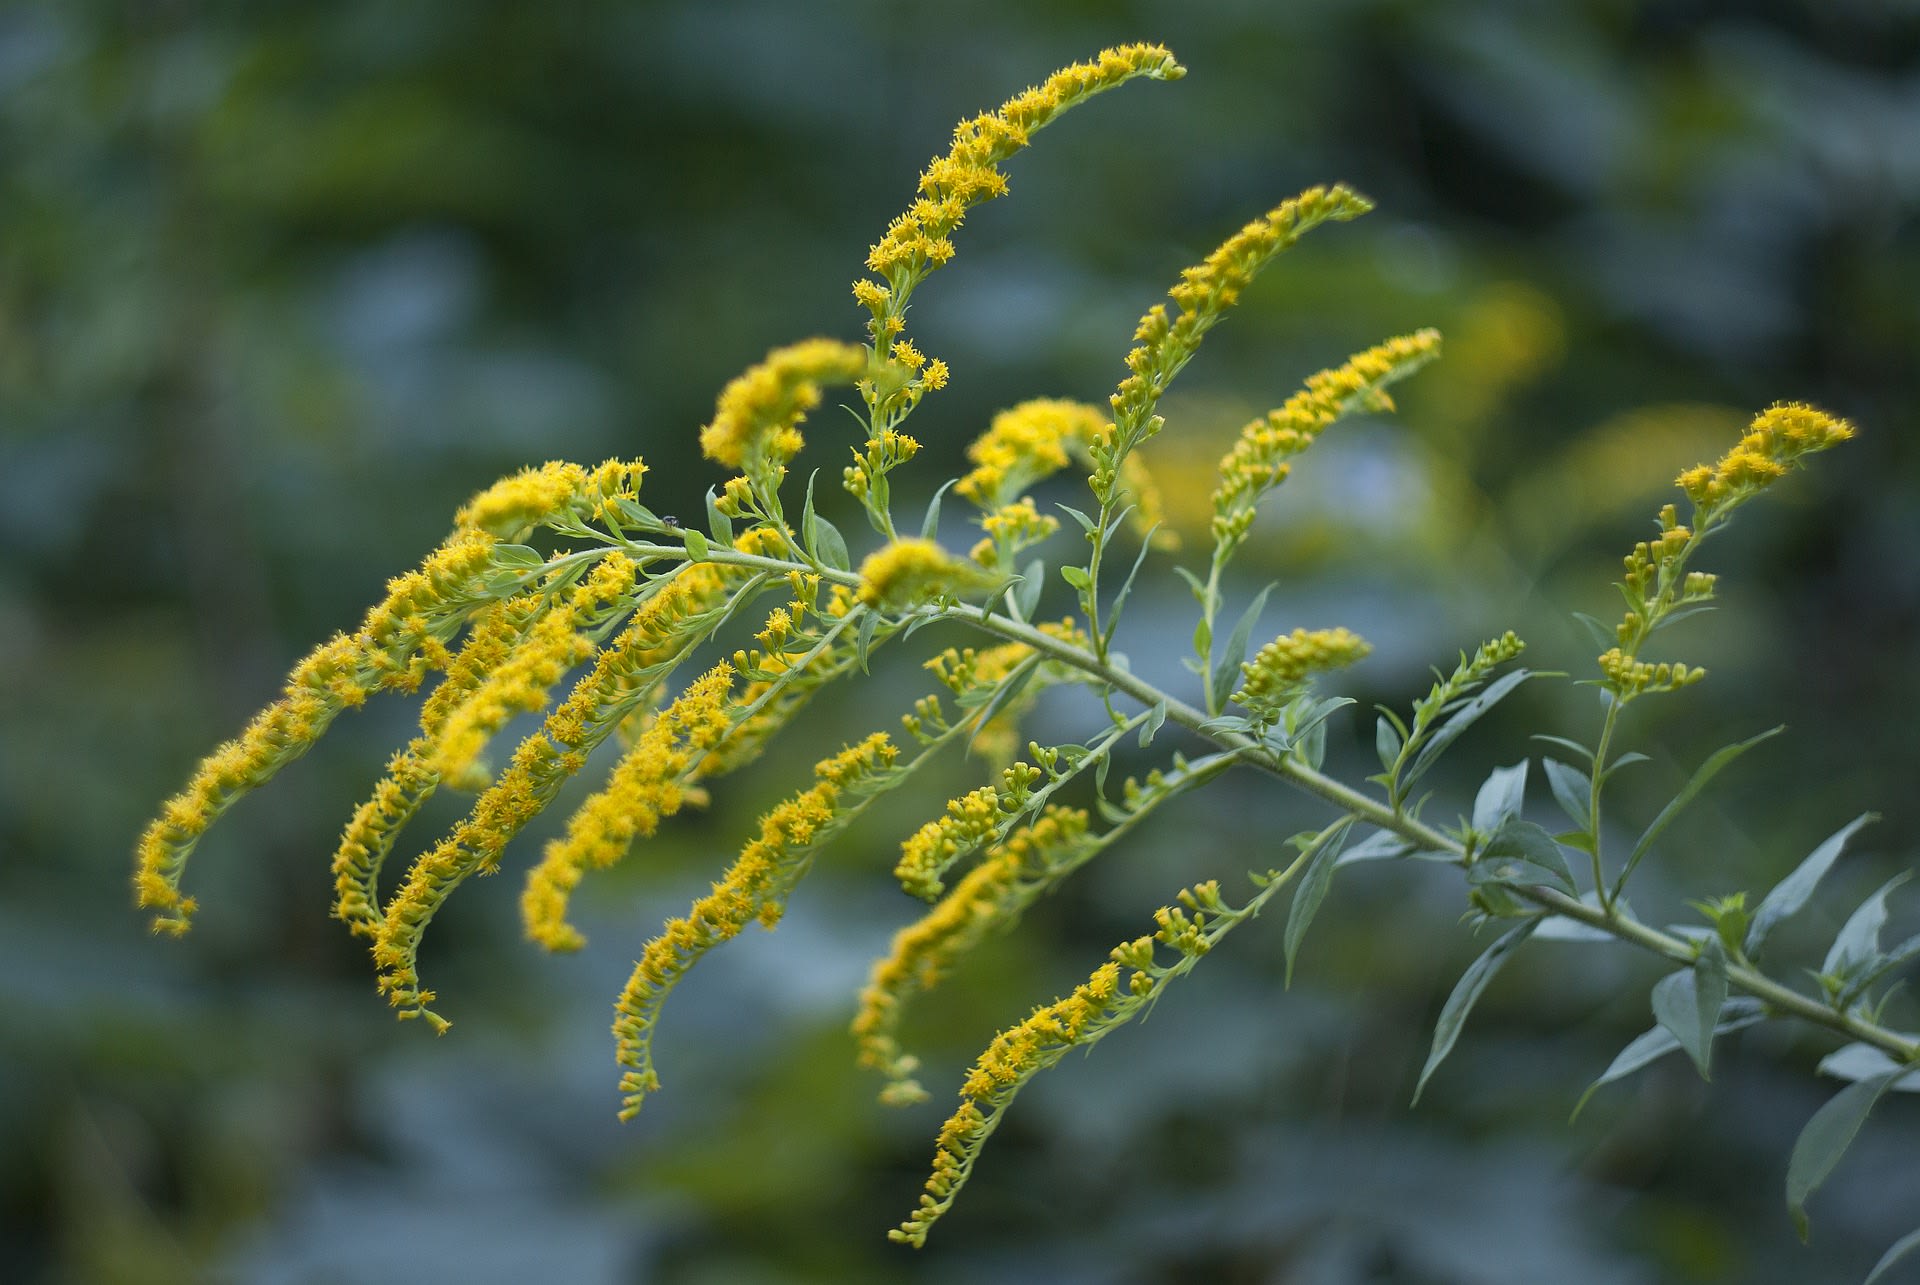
(1377, 813)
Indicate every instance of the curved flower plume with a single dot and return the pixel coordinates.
(760, 411)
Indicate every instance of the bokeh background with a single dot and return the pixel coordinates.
(281, 284)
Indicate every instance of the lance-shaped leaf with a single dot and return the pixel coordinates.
(1688, 792)
(1522, 853)
(1688, 1003)
(1649, 1047)
(1857, 948)
(1314, 882)
(1501, 796)
(1791, 893)
(1826, 1138)
(1225, 674)
(1466, 993)
(1466, 717)
(1571, 790)
(1865, 1062)
(1899, 1250)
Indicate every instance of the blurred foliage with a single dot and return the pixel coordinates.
(281, 284)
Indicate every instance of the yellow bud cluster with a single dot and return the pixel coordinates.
(909, 572)
(1258, 460)
(647, 786)
(399, 641)
(1277, 669)
(1010, 529)
(1773, 444)
(918, 240)
(924, 951)
(753, 890)
(1625, 676)
(760, 410)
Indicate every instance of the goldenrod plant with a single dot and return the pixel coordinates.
(563, 573)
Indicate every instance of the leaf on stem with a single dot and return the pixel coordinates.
(1466, 993)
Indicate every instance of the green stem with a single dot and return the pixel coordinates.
(1382, 815)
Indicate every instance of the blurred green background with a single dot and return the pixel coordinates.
(280, 284)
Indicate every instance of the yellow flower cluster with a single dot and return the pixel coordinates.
(1258, 460)
(924, 951)
(648, 785)
(666, 624)
(399, 641)
(918, 240)
(1010, 529)
(760, 411)
(520, 683)
(1207, 290)
(1011, 1060)
(375, 826)
(1022, 445)
(909, 572)
(1773, 444)
(1276, 671)
(533, 497)
(753, 890)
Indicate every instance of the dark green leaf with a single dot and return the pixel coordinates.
(1901, 1248)
(1386, 743)
(1857, 948)
(1314, 882)
(1382, 845)
(1520, 852)
(1698, 782)
(1603, 635)
(1825, 1139)
(1466, 993)
(1501, 796)
(1791, 893)
(863, 641)
(930, 524)
(1649, 1047)
(1226, 668)
(1468, 714)
(1688, 1003)
(1006, 693)
(1572, 791)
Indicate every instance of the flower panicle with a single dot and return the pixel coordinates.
(759, 412)
(988, 897)
(1657, 581)
(920, 240)
(1117, 991)
(649, 784)
(908, 573)
(678, 611)
(1277, 671)
(401, 639)
(754, 889)
(1258, 460)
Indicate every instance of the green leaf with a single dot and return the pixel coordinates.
(1026, 594)
(930, 524)
(1226, 669)
(1156, 719)
(1314, 882)
(1864, 1062)
(1825, 1139)
(1572, 791)
(1468, 714)
(1076, 576)
(1381, 845)
(1603, 635)
(1466, 993)
(1688, 1003)
(1009, 689)
(1126, 586)
(829, 546)
(1501, 796)
(1901, 1248)
(1386, 743)
(1195, 583)
(1086, 523)
(1857, 948)
(1793, 892)
(696, 544)
(515, 555)
(1564, 744)
(1735, 1015)
(1698, 782)
(863, 641)
(1521, 852)
(717, 522)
